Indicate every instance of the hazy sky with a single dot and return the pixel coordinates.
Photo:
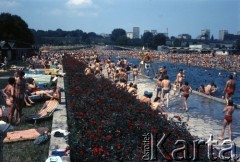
(102, 16)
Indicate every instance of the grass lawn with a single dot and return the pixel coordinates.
(26, 151)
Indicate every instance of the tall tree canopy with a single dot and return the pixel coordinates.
(147, 39)
(117, 34)
(159, 39)
(14, 28)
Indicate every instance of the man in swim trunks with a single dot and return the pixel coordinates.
(166, 87)
(159, 87)
(179, 80)
(229, 109)
(186, 89)
(229, 88)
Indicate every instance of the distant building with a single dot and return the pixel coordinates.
(145, 31)
(136, 32)
(198, 47)
(130, 35)
(205, 34)
(14, 50)
(154, 32)
(105, 35)
(184, 36)
(222, 34)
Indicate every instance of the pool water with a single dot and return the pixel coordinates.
(196, 76)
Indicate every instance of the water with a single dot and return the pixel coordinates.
(196, 76)
(205, 115)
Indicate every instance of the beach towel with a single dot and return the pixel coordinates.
(22, 135)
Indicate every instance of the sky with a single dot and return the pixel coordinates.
(103, 16)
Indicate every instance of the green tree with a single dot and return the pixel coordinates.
(159, 40)
(14, 28)
(122, 40)
(238, 43)
(147, 39)
(177, 42)
(212, 38)
(117, 33)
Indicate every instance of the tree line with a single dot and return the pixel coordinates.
(14, 28)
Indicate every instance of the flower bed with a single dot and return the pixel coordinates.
(107, 123)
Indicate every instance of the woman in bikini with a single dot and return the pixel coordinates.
(186, 89)
(229, 109)
(8, 92)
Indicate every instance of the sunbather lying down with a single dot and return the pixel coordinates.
(34, 90)
(48, 107)
(46, 111)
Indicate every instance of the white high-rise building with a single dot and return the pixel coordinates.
(205, 33)
(222, 34)
(130, 35)
(136, 32)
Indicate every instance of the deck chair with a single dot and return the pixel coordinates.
(45, 112)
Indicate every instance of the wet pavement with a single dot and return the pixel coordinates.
(204, 117)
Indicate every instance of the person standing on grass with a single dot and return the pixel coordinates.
(186, 90)
(229, 109)
(19, 93)
(8, 92)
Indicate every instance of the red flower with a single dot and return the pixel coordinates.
(109, 137)
(81, 152)
(107, 153)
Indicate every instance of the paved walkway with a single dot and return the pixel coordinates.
(204, 117)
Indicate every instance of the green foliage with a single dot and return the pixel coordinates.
(14, 28)
(117, 33)
(238, 43)
(122, 40)
(147, 39)
(159, 39)
(177, 43)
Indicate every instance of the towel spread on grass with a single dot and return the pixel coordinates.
(22, 135)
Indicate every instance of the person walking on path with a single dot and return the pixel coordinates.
(179, 80)
(166, 87)
(229, 88)
(186, 90)
(229, 109)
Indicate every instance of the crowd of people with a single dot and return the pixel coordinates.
(17, 92)
(119, 74)
(125, 76)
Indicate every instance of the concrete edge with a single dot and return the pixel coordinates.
(59, 121)
(201, 94)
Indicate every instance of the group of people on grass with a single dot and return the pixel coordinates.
(16, 95)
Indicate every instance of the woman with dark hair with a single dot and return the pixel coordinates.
(8, 92)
